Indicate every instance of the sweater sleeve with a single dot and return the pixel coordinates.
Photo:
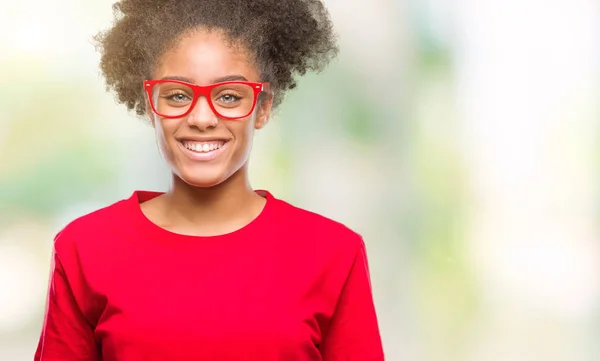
(353, 332)
(66, 334)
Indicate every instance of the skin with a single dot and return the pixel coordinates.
(214, 197)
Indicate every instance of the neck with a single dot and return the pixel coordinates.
(226, 205)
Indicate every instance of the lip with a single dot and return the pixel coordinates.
(204, 156)
(200, 140)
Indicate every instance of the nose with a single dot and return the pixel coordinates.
(202, 116)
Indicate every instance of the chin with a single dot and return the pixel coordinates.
(202, 182)
(204, 176)
(200, 175)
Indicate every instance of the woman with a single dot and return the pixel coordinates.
(210, 270)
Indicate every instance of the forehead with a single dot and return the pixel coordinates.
(202, 56)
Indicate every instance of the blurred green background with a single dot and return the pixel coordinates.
(460, 138)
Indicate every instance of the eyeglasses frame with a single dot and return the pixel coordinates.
(205, 90)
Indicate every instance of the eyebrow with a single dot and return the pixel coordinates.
(217, 80)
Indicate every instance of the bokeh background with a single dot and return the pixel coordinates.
(460, 137)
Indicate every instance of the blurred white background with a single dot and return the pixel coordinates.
(459, 137)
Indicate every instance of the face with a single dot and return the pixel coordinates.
(203, 149)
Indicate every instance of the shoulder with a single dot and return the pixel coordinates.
(321, 248)
(89, 230)
(317, 228)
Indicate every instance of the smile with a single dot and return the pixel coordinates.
(203, 147)
(203, 151)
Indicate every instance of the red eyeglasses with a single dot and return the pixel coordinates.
(229, 100)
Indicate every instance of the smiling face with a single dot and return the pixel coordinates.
(202, 148)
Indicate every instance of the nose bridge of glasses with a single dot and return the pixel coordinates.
(202, 110)
(202, 107)
(203, 95)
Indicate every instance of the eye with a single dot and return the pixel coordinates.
(178, 97)
(228, 98)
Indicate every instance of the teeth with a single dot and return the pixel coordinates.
(203, 147)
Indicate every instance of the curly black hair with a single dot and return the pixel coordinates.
(286, 38)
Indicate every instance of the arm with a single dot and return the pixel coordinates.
(66, 334)
(353, 332)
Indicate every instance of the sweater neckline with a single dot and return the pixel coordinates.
(144, 224)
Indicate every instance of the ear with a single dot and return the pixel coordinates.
(264, 110)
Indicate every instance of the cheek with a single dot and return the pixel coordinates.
(245, 137)
(163, 142)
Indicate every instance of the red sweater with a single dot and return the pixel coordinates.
(290, 286)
